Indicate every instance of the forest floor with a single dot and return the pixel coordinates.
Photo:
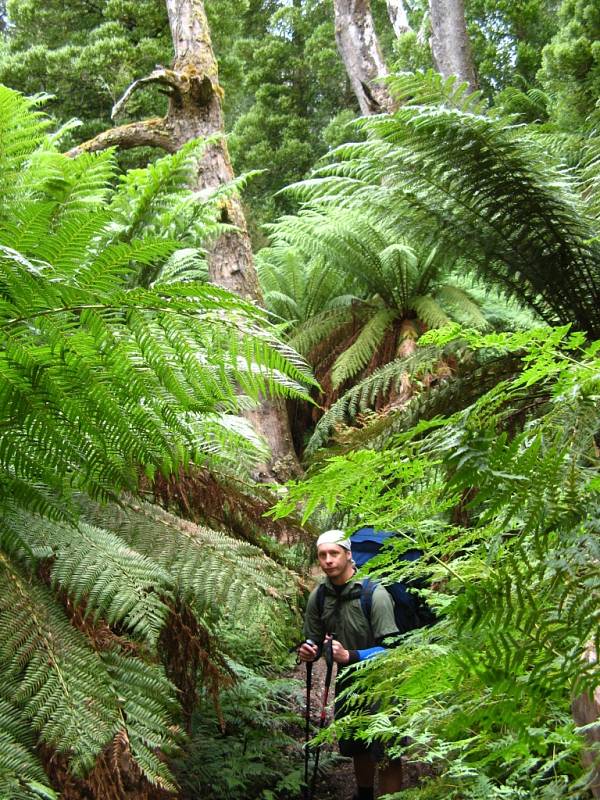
(336, 781)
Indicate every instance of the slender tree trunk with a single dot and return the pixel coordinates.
(586, 710)
(360, 51)
(398, 17)
(450, 43)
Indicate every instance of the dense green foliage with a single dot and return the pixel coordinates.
(370, 294)
(508, 37)
(138, 647)
(101, 383)
(85, 55)
(571, 65)
(250, 751)
(293, 84)
(503, 498)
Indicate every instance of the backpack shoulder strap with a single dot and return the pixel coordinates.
(366, 597)
(322, 589)
(320, 598)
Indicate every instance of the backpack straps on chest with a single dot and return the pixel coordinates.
(366, 597)
(367, 588)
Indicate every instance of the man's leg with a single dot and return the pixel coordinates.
(390, 777)
(364, 770)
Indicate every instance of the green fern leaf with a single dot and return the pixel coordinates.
(56, 679)
(361, 351)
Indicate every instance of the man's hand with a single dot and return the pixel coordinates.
(308, 651)
(340, 654)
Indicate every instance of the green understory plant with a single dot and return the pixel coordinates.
(248, 750)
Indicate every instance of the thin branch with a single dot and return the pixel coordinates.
(166, 77)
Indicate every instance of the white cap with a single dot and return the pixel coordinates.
(334, 537)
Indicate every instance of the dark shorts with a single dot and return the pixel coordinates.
(354, 747)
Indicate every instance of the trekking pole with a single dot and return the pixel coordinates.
(309, 666)
(328, 653)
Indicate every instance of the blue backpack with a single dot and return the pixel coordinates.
(410, 611)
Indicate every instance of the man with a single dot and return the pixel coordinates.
(354, 640)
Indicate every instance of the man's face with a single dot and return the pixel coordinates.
(333, 559)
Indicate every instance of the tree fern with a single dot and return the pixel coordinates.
(104, 385)
(491, 194)
(392, 290)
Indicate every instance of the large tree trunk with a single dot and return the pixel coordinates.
(450, 45)
(198, 113)
(360, 51)
(195, 111)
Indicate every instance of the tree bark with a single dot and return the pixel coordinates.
(198, 113)
(398, 17)
(360, 51)
(195, 111)
(149, 132)
(585, 710)
(450, 45)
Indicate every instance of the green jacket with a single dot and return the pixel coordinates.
(343, 616)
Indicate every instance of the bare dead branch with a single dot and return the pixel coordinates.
(166, 77)
(148, 132)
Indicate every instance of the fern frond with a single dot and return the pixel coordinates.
(517, 212)
(21, 774)
(363, 395)
(148, 702)
(219, 576)
(486, 189)
(360, 352)
(185, 264)
(73, 184)
(93, 567)
(474, 376)
(55, 678)
(321, 326)
(431, 88)
(464, 302)
(430, 312)
(22, 130)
